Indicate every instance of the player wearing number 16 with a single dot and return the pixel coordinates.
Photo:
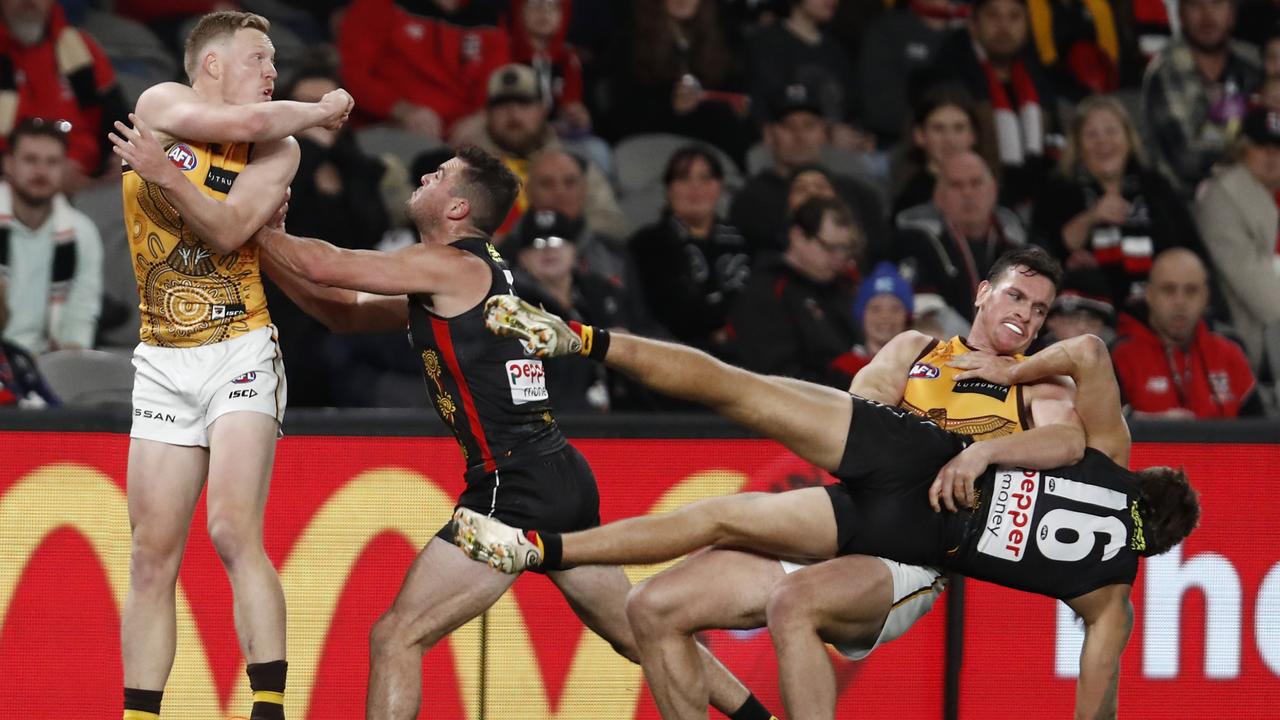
(1073, 532)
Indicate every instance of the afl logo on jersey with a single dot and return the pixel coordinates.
(183, 156)
(923, 371)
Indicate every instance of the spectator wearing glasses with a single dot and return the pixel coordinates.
(50, 251)
(946, 247)
(795, 317)
(52, 70)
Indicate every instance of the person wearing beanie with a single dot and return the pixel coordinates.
(882, 309)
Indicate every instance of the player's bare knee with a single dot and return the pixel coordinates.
(233, 539)
(651, 609)
(154, 562)
(790, 606)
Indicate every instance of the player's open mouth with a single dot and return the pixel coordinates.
(267, 92)
(1017, 330)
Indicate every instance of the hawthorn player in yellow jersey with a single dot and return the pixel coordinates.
(205, 166)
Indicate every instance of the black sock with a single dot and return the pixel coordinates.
(752, 709)
(267, 682)
(595, 341)
(552, 549)
(142, 701)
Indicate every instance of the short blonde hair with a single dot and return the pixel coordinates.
(212, 27)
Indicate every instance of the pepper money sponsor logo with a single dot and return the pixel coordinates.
(528, 381)
(1013, 502)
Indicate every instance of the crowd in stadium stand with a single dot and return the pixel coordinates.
(784, 183)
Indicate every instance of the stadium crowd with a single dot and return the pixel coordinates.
(785, 184)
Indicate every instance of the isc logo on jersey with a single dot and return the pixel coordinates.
(1013, 502)
(923, 371)
(183, 156)
(528, 381)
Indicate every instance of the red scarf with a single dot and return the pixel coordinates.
(1020, 128)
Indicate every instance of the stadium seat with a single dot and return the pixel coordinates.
(641, 159)
(88, 377)
(132, 47)
(103, 205)
(379, 140)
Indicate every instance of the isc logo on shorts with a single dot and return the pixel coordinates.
(183, 156)
(528, 381)
(245, 393)
(923, 371)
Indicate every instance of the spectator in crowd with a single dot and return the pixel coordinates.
(900, 47)
(51, 70)
(420, 70)
(21, 384)
(1150, 29)
(1082, 307)
(1238, 219)
(795, 136)
(1172, 367)
(676, 73)
(51, 252)
(538, 40)
(1105, 208)
(558, 181)
(882, 310)
(516, 128)
(946, 247)
(807, 182)
(799, 50)
(1078, 43)
(691, 265)
(795, 317)
(944, 122)
(1016, 101)
(1195, 93)
(334, 196)
(547, 273)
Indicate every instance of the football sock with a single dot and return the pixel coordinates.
(552, 547)
(267, 682)
(752, 709)
(595, 341)
(142, 704)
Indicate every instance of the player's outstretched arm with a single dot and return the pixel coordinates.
(1108, 621)
(341, 310)
(176, 110)
(223, 225)
(1086, 360)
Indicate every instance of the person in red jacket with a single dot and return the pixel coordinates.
(51, 70)
(424, 74)
(538, 29)
(1173, 367)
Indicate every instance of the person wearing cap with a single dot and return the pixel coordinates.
(425, 74)
(1238, 219)
(795, 316)
(516, 128)
(547, 273)
(795, 134)
(882, 310)
(1170, 366)
(1195, 91)
(1105, 208)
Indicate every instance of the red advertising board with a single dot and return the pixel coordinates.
(346, 516)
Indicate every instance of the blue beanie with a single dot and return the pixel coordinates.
(883, 280)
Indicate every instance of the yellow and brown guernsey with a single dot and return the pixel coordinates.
(190, 295)
(979, 408)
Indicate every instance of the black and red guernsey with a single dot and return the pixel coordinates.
(487, 389)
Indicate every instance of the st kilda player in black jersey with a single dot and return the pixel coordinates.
(1073, 533)
(492, 394)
